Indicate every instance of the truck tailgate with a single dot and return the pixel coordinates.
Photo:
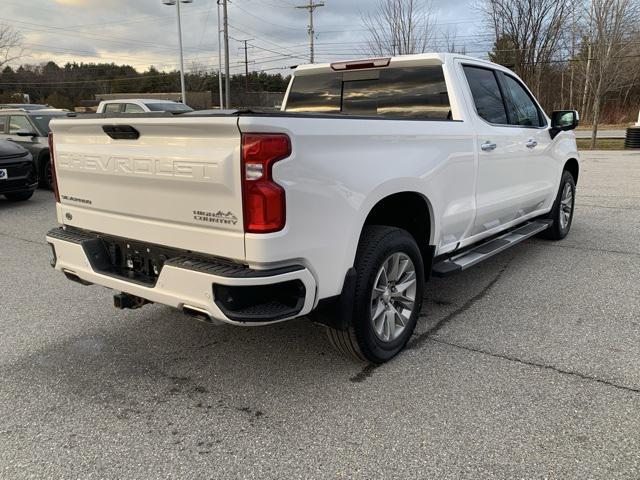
(177, 185)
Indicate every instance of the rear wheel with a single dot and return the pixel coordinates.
(388, 296)
(18, 196)
(562, 211)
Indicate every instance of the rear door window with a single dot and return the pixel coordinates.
(3, 124)
(19, 123)
(401, 93)
(486, 93)
(112, 108)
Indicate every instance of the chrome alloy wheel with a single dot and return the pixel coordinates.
(393, 297)
(566, 205)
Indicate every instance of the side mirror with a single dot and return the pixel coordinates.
(25, 133)
(563, 121)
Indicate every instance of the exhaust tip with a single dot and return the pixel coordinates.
(75, 278)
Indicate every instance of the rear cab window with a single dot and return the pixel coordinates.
(42, 122)
(133, 108)
(169, 107)
(417, 93)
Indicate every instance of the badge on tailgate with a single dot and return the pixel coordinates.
(220, 217)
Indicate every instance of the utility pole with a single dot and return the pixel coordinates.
(220, 89)
(227, 79)
(182, 83)
(311, 7)
(246, 65)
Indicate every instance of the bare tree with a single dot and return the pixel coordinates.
(450, 42)
(612, 27)
(10, 44)
(533, 29)
(399, 27)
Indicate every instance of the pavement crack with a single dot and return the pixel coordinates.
(609, 196)
(539, 365)
(22, 239)
(588, 249)
(605, 206)
(419, 340)
(423, 337)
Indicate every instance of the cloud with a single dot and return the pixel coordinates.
(72, 2)
(143, 32)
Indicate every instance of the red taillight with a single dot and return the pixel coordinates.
(54, 179)
(263, 199)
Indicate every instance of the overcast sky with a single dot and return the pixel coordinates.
(143, 32)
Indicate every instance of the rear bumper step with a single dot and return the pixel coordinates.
(469, 258)
(223, 290)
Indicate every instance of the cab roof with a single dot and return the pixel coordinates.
(401, 60)
(141, 100)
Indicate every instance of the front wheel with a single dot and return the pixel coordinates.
(562, 212)
(388, 296)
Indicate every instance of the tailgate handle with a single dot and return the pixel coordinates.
(121, 132)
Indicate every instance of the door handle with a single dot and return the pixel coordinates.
(532, 144)
(488, 146)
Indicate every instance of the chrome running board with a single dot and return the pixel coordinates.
(467, 259)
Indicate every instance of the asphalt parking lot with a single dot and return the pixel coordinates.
(527, 366)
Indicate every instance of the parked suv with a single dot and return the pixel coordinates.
(18, 175)
(30, 129)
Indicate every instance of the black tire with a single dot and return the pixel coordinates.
(559, 229)
(46, 176)
(360, 341)
(18, 196)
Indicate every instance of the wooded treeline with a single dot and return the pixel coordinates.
(65, 86)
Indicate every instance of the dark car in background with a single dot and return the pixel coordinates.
(30, 129)
(18, 172)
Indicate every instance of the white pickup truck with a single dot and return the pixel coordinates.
(142, 105)
(375, 175)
